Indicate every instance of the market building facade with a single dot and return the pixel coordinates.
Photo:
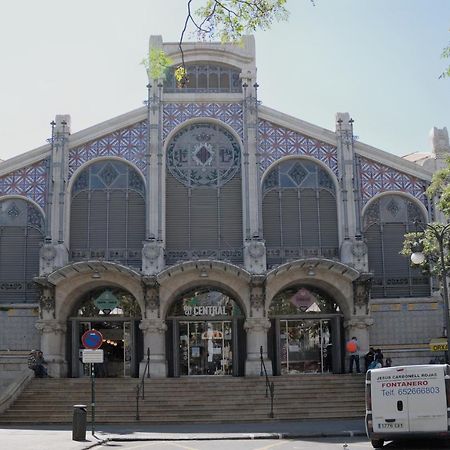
(206, 227)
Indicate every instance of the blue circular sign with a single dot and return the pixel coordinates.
(92, 339)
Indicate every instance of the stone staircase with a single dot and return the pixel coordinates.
(188, 400)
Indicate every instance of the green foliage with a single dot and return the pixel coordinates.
(156, 63)
(426, 242)
(440, 188)
(180, 75)
(229, 20)
(446, 54)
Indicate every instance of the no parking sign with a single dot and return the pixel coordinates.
(92, 339)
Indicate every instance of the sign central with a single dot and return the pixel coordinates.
(210, 310)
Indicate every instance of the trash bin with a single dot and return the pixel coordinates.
(79, 423)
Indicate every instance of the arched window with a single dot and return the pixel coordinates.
(203, 195)
(386, 221)
(21, 235)
(299, 212)
(206, 78)
(107, 215)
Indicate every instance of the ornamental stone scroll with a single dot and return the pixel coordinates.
(153, 326)
(361, 293)
(151, 295)
(257, 325)
(51, 326)
(152, 257)
(257, 294)
(47, 306)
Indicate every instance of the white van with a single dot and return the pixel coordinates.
(407, 401)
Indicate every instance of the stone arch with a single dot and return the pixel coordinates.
(406, 195)
(75, 280)
(226, 277)
(26, 199)
(322, 165)
(332, 277)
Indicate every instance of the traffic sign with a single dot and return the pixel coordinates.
(92, 339)
(92, 356)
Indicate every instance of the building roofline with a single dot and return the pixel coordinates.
(328, 136)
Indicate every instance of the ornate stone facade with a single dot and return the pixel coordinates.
(170, 143)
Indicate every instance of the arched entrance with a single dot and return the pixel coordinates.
(116, 314)
(306, 334)
(205, 334)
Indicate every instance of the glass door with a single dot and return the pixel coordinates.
(305, 346)
(117, 348)
(205, 348)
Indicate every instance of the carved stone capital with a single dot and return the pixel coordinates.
(359, 322)
(46, 298)
(257, 292)
(361, 292)
(51, 326)
(151, 293)
(47, 304)
(257, 301)
(257, 325)
(153, 326)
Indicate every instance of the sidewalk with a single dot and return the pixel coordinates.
(37, 437)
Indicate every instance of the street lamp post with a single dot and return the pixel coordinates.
(418, 258)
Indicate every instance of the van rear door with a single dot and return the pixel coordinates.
(427, 399)
(389, 407)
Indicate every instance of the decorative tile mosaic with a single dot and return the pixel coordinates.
(31, 182)
(377, 178)
(128, 143)
(276, 142)
(176, 113)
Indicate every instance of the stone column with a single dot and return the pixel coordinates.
(254, 246)
(257, 326)
(256, 329)
(53, 340)
(153, 247)
(154, 331)
(360, 321)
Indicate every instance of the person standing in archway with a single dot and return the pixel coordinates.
(353, 348)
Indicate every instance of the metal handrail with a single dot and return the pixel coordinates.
(140, 387)
(270, 387)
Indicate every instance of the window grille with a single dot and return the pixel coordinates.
(203, 195)
(299, 212)
(205, 78)
(21, 236)
(386, 221)
(107, 219)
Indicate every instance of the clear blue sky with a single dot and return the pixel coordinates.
(379, 60)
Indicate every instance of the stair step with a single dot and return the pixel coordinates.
(189, 400)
